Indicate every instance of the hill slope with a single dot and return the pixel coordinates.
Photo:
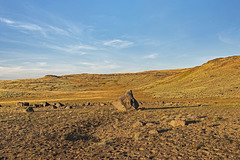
(218, 78)
(80, 87)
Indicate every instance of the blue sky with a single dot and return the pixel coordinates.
(40, 37)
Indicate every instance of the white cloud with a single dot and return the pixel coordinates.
(73, 49)
(44, 28)
(98, 67)
(117, 43)
(80, 47)
(23, 26)
(4, 20)
(58, 30)
(30, 27)
(151, 56)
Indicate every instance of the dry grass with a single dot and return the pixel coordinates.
(216, 79)
(78, 88)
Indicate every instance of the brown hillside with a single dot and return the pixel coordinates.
(218, 78)
(79, 87)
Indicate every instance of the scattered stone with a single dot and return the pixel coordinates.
(176, 123)
(19, 104)
(45, 104)
(126, 102)
(68, 107)
(59, 105)
(102, 104)
(151, 124)
(25, 103)
(154, 131)
(29, 109)
(52, 104)
(54, 107)
(137, 124)
(22, 104)
(36, 105)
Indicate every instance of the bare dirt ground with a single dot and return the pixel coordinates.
(211, 132)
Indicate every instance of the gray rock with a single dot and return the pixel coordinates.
(126, 102)
(59, 105)
(29, 109)
(68, 107)
(45, 104)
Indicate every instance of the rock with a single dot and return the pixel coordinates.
(36, 105)
(45, 104)
(59, 105)
(68, 107)
(154, 131)
(19, 104)
(54, 107)
(176, 123)
(25, 103)
(126, 102)
(29, 109)
(137, 124)
(102, 104)
(22, 104)
(151, 124)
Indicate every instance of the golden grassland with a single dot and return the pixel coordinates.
(78, 88)
(216, 80)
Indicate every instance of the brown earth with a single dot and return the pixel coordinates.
(205, 100)
(211, 132)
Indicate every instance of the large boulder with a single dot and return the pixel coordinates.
(126, 102)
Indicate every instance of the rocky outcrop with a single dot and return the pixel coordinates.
(126, 102)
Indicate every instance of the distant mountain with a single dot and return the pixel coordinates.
(218, 78)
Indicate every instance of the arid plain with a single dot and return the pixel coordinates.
(188, 113)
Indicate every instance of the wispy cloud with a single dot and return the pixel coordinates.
(74, 49)
(117, 43)
(7, 21)
(99, 67)
(44, 29)
(58, 30)
(225, 39)
(151, 56)
(21, 25)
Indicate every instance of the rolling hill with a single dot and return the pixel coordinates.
(218, 78)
